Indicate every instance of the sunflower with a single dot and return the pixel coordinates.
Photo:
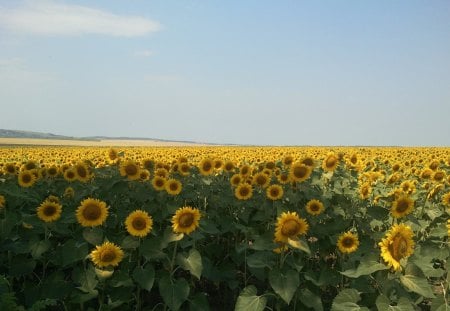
(29, 165)
(446, 199)
(244, 170)
(287, 160)
(10, 168)
(299, 172)
(162, 172)
(130, 169)
(330, 163)
(261, 180)
(92, 212)
(396, 245)
(218, 164)
(49, 211)
(402, 206)
(289, 226)
(26, 179)
(70, 175)
(185, 220)
(439, 176)
(52, 171)
(107, 254)
(144, 175)
(113, 154)
(348, 242)
(139, 223)
(206, 167)
(158, 183)
(314, 207)
(82, 172)
(228, 166)
(235, 180)
(408, 187)
(283, 178)
(52, 198)
(173, 186)
(184, 168)
(243, 191)
(2, 201)
(308, 161)
(69, 192)
(274, 192)
(365, 190)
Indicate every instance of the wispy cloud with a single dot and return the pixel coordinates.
(143, 53)
(50, 18)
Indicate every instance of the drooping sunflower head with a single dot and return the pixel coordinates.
(396, 245)
(139, 223)
(206, 166)
(26, 179)
(299, 172)
(130, 169)
(243, 191)
(185, 220)
(446, 199)
(173, 186)
(274, 192)
(290, 226)
(158, 183)
(348, 242)
(49, 211)
(402, 206)
(261, 180)
(330, 162)
(92, 212)
(314, 207)
(107, 254)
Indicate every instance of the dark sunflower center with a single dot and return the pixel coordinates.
(274, 192)
(131, 169)
(173, 186)
(186, 220)
(290, 228)
(347, 242)
(244, 191)
(402, 206)
(49, 210)
(353, 159)
(314, 207)
(184, 168)
(300, 171)
(26, 178)
(261, 180)
(139, 223)
(206, 166)
(10, 169)
(398, 248)
(52, 171)
(438, 176)
(331, 161)
(108, 256)
(70, 174)
(92, 212)
(228, 166)
(308, 162)
(159, 182)
(81, 171)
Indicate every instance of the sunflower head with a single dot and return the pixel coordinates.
(330, 162)
(299, 172)
(107, 254)
(314, 207)
(92, 212)
(229, 166)
(69, 192)
(139, 223)
(348, 242)
(261, 180)
(206, 167)
(82, 172)
(49, 211)
(397, 244)
(243, 191)
(185, 220)
(402, 206)
(173, 186)
(290, 226)
(26, 178)
(10, 168)
(235, 180)
(130, 169)
(274, 192)
(446, 199)
(365, 190)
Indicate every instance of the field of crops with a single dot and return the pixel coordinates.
(224, 228)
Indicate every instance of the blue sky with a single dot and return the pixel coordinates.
(245, 72)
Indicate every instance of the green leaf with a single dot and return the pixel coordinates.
(174, 293)
(87, 280)
(418, 285)
(169, 237)
(364, 268)
(249, 301)
(300, 244)
(384, 304)
(310, 300)
(347, 300)
(439, 304)
(144, 276)
(192, 263)
(72, 251)
(151, 249)
(21, 266)
(260, 260)
(130, 242)
(284, 283)
(39, 247)
(93, 235)
(199, 303)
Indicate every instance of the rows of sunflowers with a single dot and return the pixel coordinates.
(224, 228)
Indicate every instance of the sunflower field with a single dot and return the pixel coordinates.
(224, 228)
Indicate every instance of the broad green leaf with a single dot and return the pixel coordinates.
(199, 303)
(87, 280)
(347, 300)
(174, 293)
(130, 242)
(249, 301)
(439, 304)
(93, 235)
(284, 283)
(300, 244)
(169, 237)
(21, 266)
(384, 304)
(151, 249)
(39, 247)
(418, 285)
(192, 263)
(144, 276)
(260, 259)
(310, 300)
(364, 268)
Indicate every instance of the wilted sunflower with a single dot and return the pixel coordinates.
(299, 172)
(330, 163)
(130, 169)
(92, 212)
(26, 179)
(206, 166)
(402, 206)
(446, 199)
(289, 226)
(314, 207)
(107, 254)
(261, 180)
(139, 223)
(243, 191)
(158, 183)
(2, 201)
(396, 245)
(49, 211)
(274, 192)
(173, 186)
(348, 242)
(185, 220)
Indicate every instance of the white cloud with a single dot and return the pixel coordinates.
(50, 18)
(143, 53)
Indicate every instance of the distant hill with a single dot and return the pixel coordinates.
(38, 135)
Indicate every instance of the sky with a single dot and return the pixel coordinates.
(350, 72)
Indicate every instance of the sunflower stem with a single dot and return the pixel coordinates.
(172, 262)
